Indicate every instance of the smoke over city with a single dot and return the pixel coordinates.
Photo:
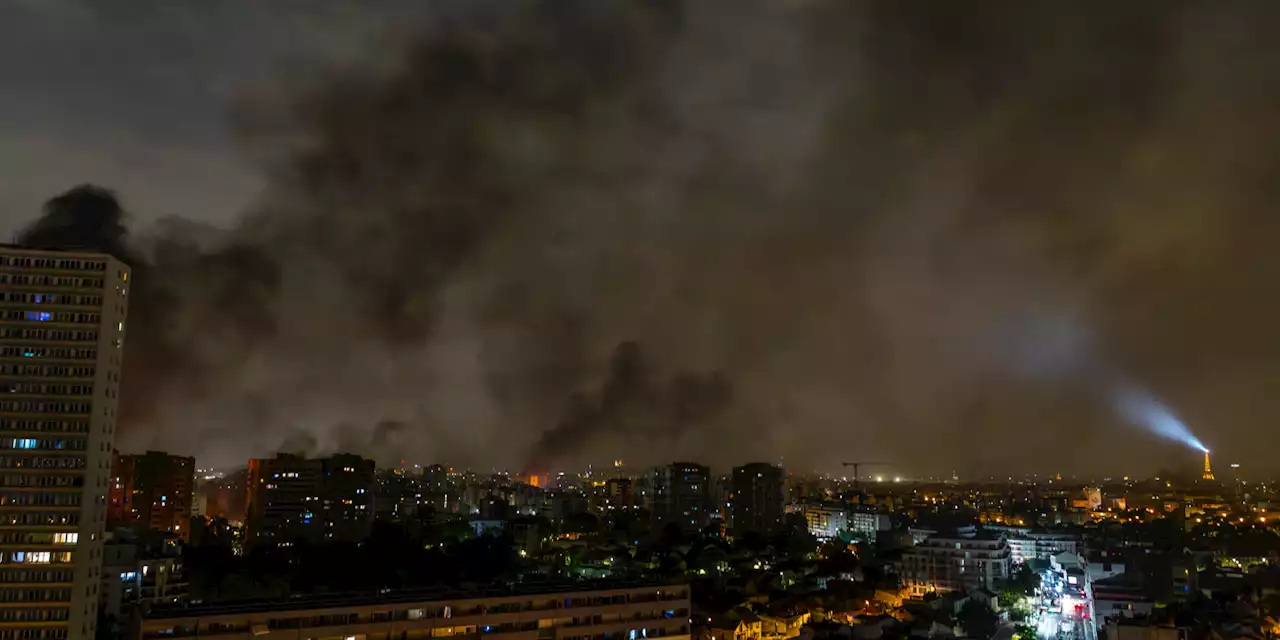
(566, 231)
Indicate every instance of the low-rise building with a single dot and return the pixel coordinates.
(138, 572)
(1143, 630)
(1121, 596)
(631, 611)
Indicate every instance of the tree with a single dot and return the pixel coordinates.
(1025, 580)
(1024, 632)
(978, 620)
(583, 523)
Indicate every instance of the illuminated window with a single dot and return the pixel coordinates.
(66, 538)
(24, 443)
(35, 557)
(39, 316)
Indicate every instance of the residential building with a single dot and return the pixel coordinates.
(867, 522)
(137, 571)
(153, 490)
(62, 328)
(682, 494)
(826, 520)
(620, 493)
(1025, 546)
(948, 562)
(759, 502)
(574, 611)
(1127, 629)
(291, 497)
(1123, 595)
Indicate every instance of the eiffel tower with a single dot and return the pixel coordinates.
(1208, 472)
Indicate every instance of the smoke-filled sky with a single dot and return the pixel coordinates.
(513, 233)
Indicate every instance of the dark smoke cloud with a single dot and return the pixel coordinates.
(881, 220)
(634, 402)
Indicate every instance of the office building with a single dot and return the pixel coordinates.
(573, 611)
(62, 326)
(682, 494)
(153, 490)
(759, 501)
(291, 497)
(951, 562)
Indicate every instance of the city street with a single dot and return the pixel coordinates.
(1056, 617)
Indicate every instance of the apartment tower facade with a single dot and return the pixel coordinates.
(62, 327)
(152, 490)
(759, 499)
(292, 497)
(682, 494)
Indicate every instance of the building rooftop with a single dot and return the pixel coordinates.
(8, 246)
(357, 599)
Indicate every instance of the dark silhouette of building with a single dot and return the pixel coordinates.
(620, 493)
(152, 491)
(291, 497)
(682, 494)
(758, 501)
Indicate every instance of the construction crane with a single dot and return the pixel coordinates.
(855, 466)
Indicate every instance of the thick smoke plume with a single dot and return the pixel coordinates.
(854, 210)
(633, 402)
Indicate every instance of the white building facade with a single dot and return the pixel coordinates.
(947, 563)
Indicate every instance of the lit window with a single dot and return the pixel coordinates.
(37, 557)
(39, 316)
(66, 538)
(24, 443)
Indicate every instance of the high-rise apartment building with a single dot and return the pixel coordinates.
(759, 500)
(291, 497)
(682, 494)
(62, 326)
(152, 491)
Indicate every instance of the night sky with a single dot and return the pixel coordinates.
(537, 234)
